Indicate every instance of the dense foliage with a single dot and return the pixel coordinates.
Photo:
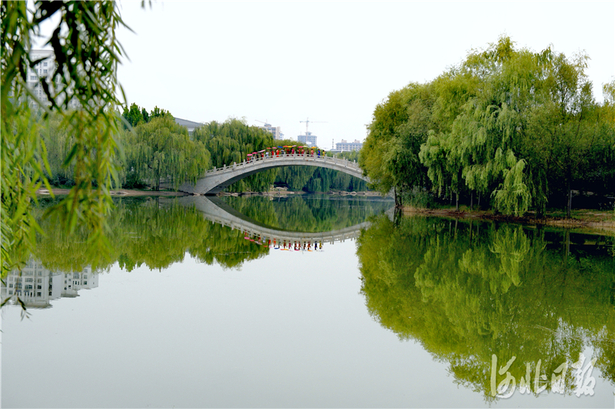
(231, 142)
(162, 150)
(313, 180)
(158, 152)
(467, 291)
(86, 53)
(519, 129)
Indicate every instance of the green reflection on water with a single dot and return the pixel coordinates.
(309, 213)
(467, 291)
(157, 232)
(150, 232)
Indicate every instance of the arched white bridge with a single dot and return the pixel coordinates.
(216, 211)
(215, 180)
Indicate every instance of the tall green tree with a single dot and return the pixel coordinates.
(390, 152)
(516, 127)
(134, 115)
(567, 134)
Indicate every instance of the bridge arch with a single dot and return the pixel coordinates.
(216, 180)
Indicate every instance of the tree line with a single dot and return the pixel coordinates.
(157, 152)
(508, 129)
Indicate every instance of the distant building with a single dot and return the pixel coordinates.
(43, 70)
(191, 125)
(345, 146)
(274, 130)
(307, 139)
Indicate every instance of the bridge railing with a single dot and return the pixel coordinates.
(285, 156)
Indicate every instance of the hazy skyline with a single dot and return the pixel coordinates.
(286, 61)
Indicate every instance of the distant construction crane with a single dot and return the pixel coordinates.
(307, 122)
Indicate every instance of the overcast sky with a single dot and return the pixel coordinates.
(331, 62)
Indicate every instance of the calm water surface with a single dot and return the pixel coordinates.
(310, 301)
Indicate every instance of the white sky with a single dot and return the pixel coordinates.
(286, 61)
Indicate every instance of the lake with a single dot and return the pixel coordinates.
(309, 301)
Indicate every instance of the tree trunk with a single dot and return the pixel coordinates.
(472, 200)
(397, 198)
(569, 206)
(566, 245)
(397, 216)
(569, 187)
(456, 201)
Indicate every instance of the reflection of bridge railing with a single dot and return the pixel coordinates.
(216, 179)
(267, 235)
(219, 212)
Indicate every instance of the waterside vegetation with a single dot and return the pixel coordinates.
(160, 154)
(469, 290)
(507, 129)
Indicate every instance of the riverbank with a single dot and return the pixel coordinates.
(274, 192)
(121, 192)
(594, 221)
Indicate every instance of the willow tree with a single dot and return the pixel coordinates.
(569, 135)
(479, 150)
(390, 153)
(58, 139)
(161, 149)
(530, 132)
(231, 142)
(86, 52)
(452, 91)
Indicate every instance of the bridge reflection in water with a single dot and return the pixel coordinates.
(217, 211)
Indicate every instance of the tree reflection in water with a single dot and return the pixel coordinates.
(159, 232)
(144, 232)
(309, 213)
(469, 291)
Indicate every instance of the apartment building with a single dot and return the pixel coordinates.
(345, 146)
